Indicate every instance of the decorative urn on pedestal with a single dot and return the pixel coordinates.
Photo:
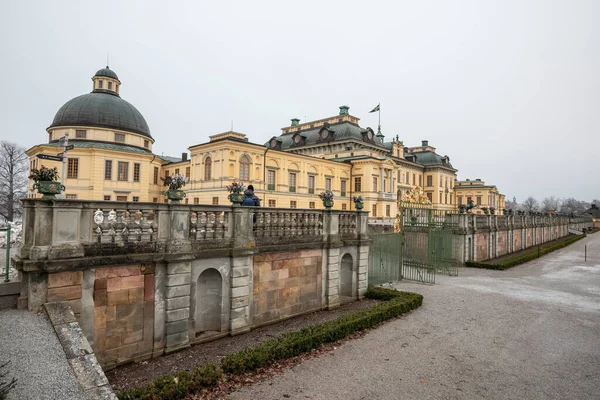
(175, 183)
(327, 198)
(236, 192)
(359, 202)
(45, 181)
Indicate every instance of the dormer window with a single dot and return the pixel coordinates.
(100, 84)
(109, 85)
(146, 144)
(120, 137)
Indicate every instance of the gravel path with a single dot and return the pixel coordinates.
(531, 332)
(36, 358)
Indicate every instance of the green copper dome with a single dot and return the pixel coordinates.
(107, 72)
(101, 109)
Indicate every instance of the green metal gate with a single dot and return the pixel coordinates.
(425, 245)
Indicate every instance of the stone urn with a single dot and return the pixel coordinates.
(492, 211)
(328, 204)
(236, 198)
(175, 195)
(461, 209)
(486, 211)
(359, 205)
(48, 189)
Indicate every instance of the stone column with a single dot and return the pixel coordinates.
(392, 191)
(331, 258)
(381, 183)
(241, 293)
(160, 272)
(363, 253)
(177, 305)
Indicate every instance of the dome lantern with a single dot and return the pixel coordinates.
(107, 81)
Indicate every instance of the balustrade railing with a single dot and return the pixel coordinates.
(123, 223)
(210, 224)
(276, 225)
(348, 224)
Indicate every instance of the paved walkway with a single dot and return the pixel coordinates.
(532, 332)
(36, 358)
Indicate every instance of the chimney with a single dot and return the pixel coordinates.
(183, 156)
(344, 110)
(295, 121)
(424, 143)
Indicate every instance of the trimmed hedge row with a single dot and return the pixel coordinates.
(284, 346)
(306, 339)
(523, 258)
(176, 387)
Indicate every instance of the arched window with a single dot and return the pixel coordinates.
(207, 169)
(244, 168)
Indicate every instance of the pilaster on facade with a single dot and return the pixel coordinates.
(241, 294)
(177, 305)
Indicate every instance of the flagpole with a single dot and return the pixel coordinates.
(379, 122)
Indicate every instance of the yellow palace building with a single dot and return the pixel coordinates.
(112, 159)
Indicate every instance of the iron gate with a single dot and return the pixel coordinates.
(424, 246)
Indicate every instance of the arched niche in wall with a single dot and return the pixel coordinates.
(208, 301)
(346, 278)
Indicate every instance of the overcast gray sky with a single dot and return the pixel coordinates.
(510, 90)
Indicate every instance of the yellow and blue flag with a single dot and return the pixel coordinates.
(375, 109)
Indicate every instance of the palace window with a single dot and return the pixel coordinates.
(311, 184)
(187, 200)
(387, 210)
(478, 200)
(375, 184)
(187, 172)
(215, 201)
(271, 179)
(155, 199)
(311, 204)
(460, 200)
(357, 185)
(327, 183)
(208, 169)
(414, 179)
(137, 198)
(176, 171)
(407, 178)
(420, 180)
(80, 134)
(196, 200)
(343, 187)
(430, 197)
(272, 203)
(120, 137)
(107, 197)
(429, 180)
(293, 203)
(440, 197)
(121, 198)
(123, 171)
(374, 210)
(71, 197)
(344, 206)
(245, 168)
(108, 170)
(110, 88)
(146, 143)
(73, 168)
(292, 181)
(136, 172)
(100, 84)
(155, 180)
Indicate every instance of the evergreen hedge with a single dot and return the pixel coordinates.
(284, 346)
(523, 258)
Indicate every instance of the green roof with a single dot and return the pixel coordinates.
(87, 144)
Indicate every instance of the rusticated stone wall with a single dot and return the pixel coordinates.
(286, 284)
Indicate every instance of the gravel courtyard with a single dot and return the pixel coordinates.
(532, 332)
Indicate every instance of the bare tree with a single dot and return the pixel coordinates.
(574, 206)
(511, 205)
(530, 205)
(13, 179)
(551, 204)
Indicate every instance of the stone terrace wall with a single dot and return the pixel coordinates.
(483, 237)
(146, 279)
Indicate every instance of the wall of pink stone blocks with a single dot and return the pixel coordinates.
(517, 239)
(123, 313)
(529, 237)
(286, 284)
(66, 286)
(502, 249)
(482, 248)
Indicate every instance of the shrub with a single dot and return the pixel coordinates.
(304, 340)
(5, 387)
(525, 257)
(175, 387)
